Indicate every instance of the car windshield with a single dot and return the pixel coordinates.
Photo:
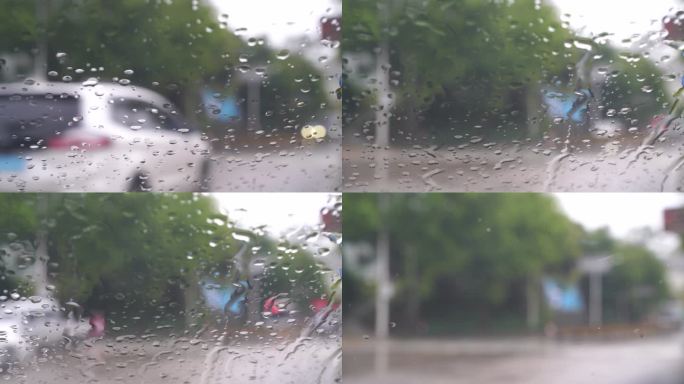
(255, 88)
(557, 95)
(160, 288)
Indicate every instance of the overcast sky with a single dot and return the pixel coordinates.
(623, 18)
(278, 211)
(279, 20)
(621, 212)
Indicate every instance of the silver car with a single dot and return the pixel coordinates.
(96, 137)
(26, 327)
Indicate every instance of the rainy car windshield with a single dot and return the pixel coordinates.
(254, 89)
(159, 288)
(557, 95)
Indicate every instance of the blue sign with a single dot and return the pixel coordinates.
(560, 104)
(218, 297)
(224, 109)
(11, 163)
(562, 298)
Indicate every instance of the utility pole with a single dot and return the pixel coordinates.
(40, 274)
(384, 107)
(40, 59)
(595, 298)
(383, 292)
(533, 302)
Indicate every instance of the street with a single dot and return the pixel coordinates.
(648, 360)
(185, 360)
(514, 167)
(311, 169)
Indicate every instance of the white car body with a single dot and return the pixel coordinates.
(25, 327)
(106, 149)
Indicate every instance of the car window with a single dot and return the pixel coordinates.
(138, 115)
(512, 96)
(513, 288)
(170, 288)
(28, 121)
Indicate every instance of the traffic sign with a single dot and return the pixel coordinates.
(600, 264)
(674, 220)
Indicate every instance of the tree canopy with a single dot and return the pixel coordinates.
(459, 63)
(466, 256)
(138, 251)
(174, 47)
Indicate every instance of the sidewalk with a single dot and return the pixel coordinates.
(457, 347)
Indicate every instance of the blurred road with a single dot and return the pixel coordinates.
(651, 360)
(308, 169)
(189, 361)
(525, 166)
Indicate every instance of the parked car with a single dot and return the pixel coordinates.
(103, 137)
(27, 327)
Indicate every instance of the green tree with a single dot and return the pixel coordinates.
(442, 51)
(635, 285)
(140, 254)
(175, 47)
(466, 252)
(456, 64)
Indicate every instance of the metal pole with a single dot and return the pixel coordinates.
(254, 103)
(595, 300)
(533, 303)
(42, 258)
(382, 112)
(382, 294)
(40, 60)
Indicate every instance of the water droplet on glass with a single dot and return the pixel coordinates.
(283, 54)
(90, 82)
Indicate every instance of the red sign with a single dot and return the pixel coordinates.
(674, 26)
(674, 220)
(331, 28)
(332, 222)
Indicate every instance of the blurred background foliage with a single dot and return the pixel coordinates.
(461, 64)
(175, 47)
(141, 253)
(467, 259)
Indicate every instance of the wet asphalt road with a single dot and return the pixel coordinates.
(657, 360)
(270, 361)
(314, 168)
(516, 167)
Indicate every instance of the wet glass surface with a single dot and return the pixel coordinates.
(170, 288)
(513, 288)
(512, 96)
(251, 89)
